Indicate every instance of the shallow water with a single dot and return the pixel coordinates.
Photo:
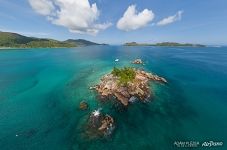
(40, 90)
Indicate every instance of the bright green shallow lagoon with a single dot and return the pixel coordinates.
(40, 90)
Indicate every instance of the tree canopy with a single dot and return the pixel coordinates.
(125, 74)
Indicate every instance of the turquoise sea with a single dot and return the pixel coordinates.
(40, 92)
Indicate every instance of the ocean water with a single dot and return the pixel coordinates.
(40, 92)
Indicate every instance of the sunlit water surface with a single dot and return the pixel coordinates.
(40, 92)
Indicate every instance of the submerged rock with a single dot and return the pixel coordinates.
(137, 88)
(83, 105)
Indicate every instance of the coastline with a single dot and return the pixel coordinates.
(164, 44)
(12, 48)
(160, 46)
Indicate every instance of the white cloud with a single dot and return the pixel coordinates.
(132, 19)
(170, 19)
(76, 15)
(43, 7)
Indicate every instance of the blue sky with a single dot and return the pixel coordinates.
(193, 21)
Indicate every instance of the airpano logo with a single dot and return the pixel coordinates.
(186, 144)
(212, 144)
(197, 144)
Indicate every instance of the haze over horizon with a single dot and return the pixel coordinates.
(117, 22)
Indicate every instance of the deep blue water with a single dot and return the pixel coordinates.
(40, 91)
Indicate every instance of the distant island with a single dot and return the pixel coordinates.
(14, 40)
(167, 44)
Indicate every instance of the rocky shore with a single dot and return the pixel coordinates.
(83, 105)
(136, 88)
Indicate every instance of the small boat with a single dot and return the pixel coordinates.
(116, 60)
